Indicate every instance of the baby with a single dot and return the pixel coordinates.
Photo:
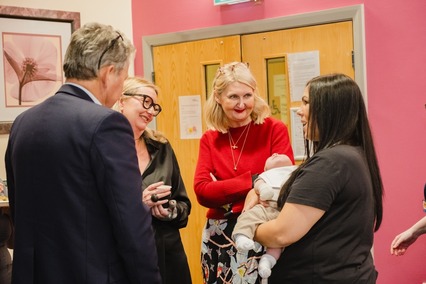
(277, 170)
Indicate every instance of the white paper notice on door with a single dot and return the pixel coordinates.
(297, 137)
(190, 117)
(302, 67)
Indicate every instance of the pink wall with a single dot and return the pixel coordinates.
(396, 82)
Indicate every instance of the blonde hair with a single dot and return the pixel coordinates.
(131, 85)
(230, 73)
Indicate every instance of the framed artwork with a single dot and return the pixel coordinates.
(32, 44)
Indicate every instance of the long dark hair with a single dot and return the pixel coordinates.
(337, 109)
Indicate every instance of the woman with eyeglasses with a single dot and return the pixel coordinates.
(170, 207)
(241, 136)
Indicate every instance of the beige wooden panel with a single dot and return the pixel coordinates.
(180, 71)
(333, 41)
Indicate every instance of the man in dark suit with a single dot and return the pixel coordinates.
(73, 176)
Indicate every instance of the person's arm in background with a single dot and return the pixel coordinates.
(402, 241)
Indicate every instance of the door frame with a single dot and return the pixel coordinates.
(353, 13)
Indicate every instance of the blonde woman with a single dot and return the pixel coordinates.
(331, 205)
(233, 152)
(158, 166)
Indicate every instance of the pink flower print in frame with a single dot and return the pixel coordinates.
(32, 68)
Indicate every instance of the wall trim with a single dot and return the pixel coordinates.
(354, 13)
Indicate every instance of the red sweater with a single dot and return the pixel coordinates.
(215, 157)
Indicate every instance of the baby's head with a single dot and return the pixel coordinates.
(276, 161)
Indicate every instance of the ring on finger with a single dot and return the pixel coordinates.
(154, 197)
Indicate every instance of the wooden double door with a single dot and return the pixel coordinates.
(187, 68)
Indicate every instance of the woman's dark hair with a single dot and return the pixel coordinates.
(337, 109)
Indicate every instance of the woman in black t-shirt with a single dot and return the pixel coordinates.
(332, 203)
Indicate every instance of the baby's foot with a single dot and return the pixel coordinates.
(265, 265)
(243, 243)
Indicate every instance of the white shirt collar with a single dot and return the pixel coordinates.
(94, 99)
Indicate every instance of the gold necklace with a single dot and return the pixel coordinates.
(234, 144)
(242, 148)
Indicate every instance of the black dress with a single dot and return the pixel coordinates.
(172, 259)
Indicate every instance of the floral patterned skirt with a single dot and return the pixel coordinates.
(221, 263)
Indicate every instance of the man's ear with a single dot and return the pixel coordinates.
(105, 74)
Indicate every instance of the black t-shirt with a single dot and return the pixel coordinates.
(337, 248)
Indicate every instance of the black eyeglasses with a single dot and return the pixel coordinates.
(108, 48)
(147, 102)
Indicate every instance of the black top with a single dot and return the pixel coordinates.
(172, 259)
(337, 248)
(164, 167)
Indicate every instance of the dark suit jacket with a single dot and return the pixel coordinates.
(75, 195)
